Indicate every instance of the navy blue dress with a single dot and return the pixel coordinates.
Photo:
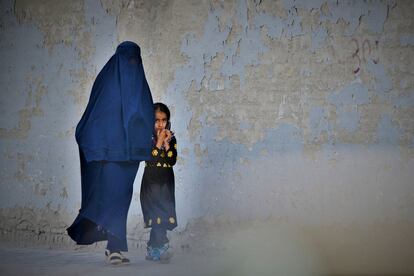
(114, 135)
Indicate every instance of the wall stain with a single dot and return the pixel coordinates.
(33, 108)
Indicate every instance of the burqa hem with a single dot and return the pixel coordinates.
(93, 233)
(107, 189)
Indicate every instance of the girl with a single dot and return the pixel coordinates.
(157, 187)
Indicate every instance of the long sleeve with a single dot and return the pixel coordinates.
(163, 158)
(171, 154)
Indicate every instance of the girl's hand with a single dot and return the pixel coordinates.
(167, 139)
(161, 135)
(168, 135)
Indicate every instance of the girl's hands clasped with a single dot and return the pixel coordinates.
(163, 138)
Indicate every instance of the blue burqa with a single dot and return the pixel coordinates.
(114, 134)
(118, 122)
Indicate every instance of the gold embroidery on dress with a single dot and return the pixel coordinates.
(175, 146)
(158, 164)
(164, 165)
(162, 154)
(158, 220)
(154, 152)
(172, 220)
(170, 154)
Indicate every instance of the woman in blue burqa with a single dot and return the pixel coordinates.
(114, 135)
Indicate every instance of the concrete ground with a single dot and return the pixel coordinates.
(253, 250)
(41, 261)
(37, 261)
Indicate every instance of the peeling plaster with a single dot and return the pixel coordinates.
(32, 108)
(407, 40)
(318, 38)
(346, 102)
(374, 14)
(318, 122)
(382, 84)
(405, 101)
(387, 132)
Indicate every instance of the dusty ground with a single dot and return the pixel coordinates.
(37, 261)
(252, 249)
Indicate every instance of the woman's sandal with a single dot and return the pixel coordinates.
(116, 258)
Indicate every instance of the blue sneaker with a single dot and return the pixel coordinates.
(152, 254)
(164, 254)
(158, 253)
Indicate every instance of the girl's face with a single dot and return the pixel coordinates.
(160, 121)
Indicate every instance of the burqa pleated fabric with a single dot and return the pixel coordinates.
(114, 135)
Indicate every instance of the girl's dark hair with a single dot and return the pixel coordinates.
(162, 108)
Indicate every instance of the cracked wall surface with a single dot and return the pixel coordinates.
(299, 111)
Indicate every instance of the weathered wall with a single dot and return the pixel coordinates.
(293, 111)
